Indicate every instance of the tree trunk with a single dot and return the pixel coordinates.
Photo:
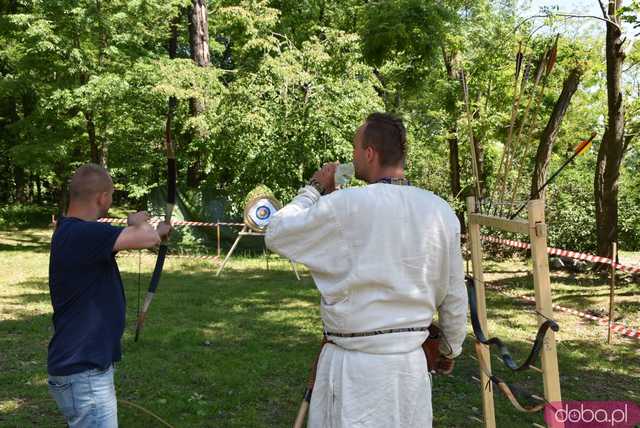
(38, 189)
(198, 42)
(450, 63)
(612, 148)
(21, 184)
(103, 150)
(550, 133)
(381, 91)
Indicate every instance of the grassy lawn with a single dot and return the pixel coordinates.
(234, 351)
(586, 292)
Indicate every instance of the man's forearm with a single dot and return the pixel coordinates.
(306, 197)
(137, 237)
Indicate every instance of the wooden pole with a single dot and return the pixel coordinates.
(266, 256)
(536, 228)
(486, 386)
(542, 286)
(218, 237)
(612, 286)
(233, 247)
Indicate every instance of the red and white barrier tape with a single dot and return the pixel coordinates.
(173, 222)
(621, 329)
(182, 256)
(510, 242)
(563, 253)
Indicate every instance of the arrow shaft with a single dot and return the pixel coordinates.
(546, 183)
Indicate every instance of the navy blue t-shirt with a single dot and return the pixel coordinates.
(87, 297)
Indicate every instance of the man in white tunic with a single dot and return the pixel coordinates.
(385, 258)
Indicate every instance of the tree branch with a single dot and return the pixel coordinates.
(568, 15)
(602, 8)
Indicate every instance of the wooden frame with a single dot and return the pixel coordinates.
(536, 229)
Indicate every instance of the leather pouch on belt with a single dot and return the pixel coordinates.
(431, 347)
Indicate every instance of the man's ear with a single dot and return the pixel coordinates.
(370, 153)
(102, 198)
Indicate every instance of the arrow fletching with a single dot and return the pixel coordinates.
(585, 145)
(553, 56)
(519, 57)
(525, 75)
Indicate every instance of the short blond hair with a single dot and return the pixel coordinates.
(89, 180)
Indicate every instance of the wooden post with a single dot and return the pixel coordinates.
(542, 286)
(266, 255)
(612, 286)
(233, 247)
(486, 386)
(218, 237)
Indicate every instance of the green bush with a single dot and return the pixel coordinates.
(25, 216)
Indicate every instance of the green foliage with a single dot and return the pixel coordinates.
(570, 210)
(23, 216)
(259, 191)
(252, 334)
(403, 27)
(289, 83)
(629, 224)
(298, 110)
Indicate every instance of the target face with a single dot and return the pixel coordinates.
(259, 211)
(263, 212)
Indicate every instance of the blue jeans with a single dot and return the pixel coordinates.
(86, 399)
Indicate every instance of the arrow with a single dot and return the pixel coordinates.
(582, 148)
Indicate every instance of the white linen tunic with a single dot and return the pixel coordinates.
(383, 256)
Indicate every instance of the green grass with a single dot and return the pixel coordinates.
(587, 292)
(234, 351)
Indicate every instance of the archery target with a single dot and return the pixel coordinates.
(259, 211)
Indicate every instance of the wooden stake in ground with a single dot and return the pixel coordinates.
(612, 286)
(218, 238)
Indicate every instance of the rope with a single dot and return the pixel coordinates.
(127, 402)
(146, 411)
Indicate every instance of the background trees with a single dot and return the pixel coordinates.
(266, 91)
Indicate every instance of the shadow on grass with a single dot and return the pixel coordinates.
(25, 240)
(235, 351)
(582, 294)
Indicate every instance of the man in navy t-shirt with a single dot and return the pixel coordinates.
(88, 299)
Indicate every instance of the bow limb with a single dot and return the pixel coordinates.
(505, 355)
(304, 406)
(171, 201)
(504, 387)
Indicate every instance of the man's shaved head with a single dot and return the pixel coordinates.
(89, 180)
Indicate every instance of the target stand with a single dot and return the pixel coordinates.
(257, 215)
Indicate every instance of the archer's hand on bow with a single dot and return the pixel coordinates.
(136, 219)
(164, 230)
